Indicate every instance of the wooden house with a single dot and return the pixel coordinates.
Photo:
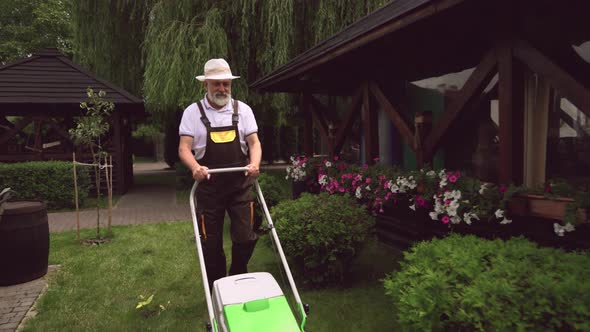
(522, 64)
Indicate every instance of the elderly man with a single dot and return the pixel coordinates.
(223, 133)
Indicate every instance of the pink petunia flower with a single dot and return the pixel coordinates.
(445, 219)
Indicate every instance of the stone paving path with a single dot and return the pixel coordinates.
(143, 204)
(16, 301)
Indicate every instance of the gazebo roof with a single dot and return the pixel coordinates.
(49, 77)
(409, 40)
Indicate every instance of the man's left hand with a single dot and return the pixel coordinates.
(252, 170)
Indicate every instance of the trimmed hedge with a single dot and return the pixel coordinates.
(322, 234)
(467, 284)
(49, 181)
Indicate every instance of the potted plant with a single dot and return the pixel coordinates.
(558, 200)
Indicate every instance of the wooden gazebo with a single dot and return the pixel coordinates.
(39, 97)
(373, 60)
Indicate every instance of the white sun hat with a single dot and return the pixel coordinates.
(217, 69)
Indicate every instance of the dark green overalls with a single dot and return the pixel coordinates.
(231, 192)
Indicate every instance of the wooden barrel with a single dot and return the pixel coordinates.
(24, 242)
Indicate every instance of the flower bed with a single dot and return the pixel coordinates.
(449, 197)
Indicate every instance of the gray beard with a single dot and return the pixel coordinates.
(219, 101)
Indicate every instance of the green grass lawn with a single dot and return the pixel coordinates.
(98, 287)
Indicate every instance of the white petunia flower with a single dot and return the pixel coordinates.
(569, 227)
(558, 229)
(499, 213)
(505, 221)
(328, 164)
(358, 193)
(482, 188)
(467, 218)
(433, 215)
(413, 207)
(456, 220)
(452, 210)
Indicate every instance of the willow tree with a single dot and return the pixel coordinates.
(107, 40)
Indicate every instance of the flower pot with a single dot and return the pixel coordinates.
(528, 205)
(24, 242)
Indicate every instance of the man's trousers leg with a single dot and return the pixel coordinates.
(241, 213)
(210, 214)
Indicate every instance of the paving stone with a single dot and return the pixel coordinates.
(8, 326)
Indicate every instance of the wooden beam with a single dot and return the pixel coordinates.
(472, 88)
(307, 125)
(394, 115)
(59, 130)
(5, 123)
(348, 121)
(320, 121)
(370, 128)
(567, 85)
(511, 116)
(572, 123)
(20, 125)
(330, 113)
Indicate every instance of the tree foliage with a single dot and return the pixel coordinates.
(29, 25)
(107, 39)
(179, 36)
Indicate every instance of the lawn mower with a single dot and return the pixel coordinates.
(249, 302)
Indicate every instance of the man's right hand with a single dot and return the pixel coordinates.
(200, 173)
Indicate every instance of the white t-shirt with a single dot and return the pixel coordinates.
(191, 124)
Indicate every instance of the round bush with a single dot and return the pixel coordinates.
(321, 234)
(468, 283)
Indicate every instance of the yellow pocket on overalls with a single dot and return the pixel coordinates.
(223, 136)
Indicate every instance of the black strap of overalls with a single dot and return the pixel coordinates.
(204, 118)
(207, 123)
(234, 117)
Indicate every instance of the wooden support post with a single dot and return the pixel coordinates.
(118, 151)
(307, 125)
(423, 125)
(511, 116)
(76, 197)
(108, 161)
(370, 128)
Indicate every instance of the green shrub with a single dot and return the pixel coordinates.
(274, 189)
(321, 234)
(50, 181)
(467, 283)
